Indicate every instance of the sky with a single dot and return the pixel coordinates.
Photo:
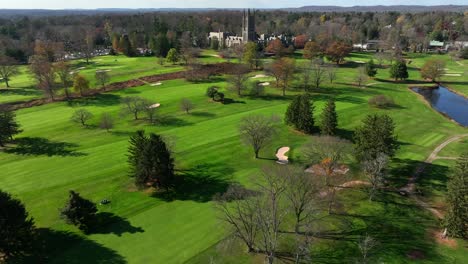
(91, 4)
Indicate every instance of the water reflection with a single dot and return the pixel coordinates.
(443, 100)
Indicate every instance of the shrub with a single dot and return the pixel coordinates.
(381, 101)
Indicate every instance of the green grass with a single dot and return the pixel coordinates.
(209, 154)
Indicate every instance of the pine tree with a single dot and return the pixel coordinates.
(376, 136)
(399, 71)
(329, 119)
(126, 46)
(371, 69)
(306, 117)
(8, 126)
(80, 212)
(155, 166)
(172, 56)
(150, 161)
(457, 198)
(300, 114)
(17, 231)
(293, 111)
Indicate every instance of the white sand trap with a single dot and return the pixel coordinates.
(280, 154)
(370, 84)
(81, 68)
(264, 84)
(446, 69)
(259, 76)
(214, 55)
(72, 72)
(155, 105)
(359, 61)
(453, 74)
(156, 84)
(104, 70)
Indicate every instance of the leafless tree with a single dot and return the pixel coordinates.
(107, 122)
(102, 77)
(44, 74)
(81, 116)
(257, 131)
(134, 105)
(8, 68)
(301, 193)
(374, 170)
(238, 79)
(306, 76)
(63, 70)
(331, 72)
(186, 105)
(366, 246)
(361, 76)
(318, 74)
(239, 210)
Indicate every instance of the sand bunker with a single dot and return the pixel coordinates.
(359, 61)
(104, 70)
(264, 84)
(156, 84)
(453, 74)
(259, 76)
(81, 68)
(155, 105)
(280, 154)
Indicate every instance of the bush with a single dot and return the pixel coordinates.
(381, 101)
(211, 91)
(218, 97)
(464, 53)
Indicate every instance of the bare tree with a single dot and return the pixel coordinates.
(257, 131)
(306, 76)
(331, 72)
(107, 122)
(238, 79)
(63, 70)
(8, 68)
(81, 116)
(239, 210)
(102, 77)
(361, 76)
(318, 74)
(271, 211)
(44, 73)
(366, 246)
(300, 192)
(134, 105)
(374, 170)
(186, 105)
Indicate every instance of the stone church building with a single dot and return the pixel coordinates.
(227, 39)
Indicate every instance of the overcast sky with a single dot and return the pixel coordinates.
(90, 4)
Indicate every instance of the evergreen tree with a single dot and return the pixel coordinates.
(306, 116)
(160, 45)
(300, 114)
(17, 231)
(150, 160)
(172, 56)
(457, 198)
(399, 71)
(293, 111)
(8, 126)
(375, 137)
(329, 119)
(371, 69)
(79, 212)
(126, 46)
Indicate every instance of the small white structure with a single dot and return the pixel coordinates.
(155, 105)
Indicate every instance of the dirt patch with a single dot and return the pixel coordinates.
(318, 170)
(441, 239)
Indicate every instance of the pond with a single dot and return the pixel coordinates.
(447, 102)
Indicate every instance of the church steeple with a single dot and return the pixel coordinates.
(248, 26)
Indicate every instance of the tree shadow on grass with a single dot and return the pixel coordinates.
(20, 91)
(398, 225)
(232, 101)
(109, 223)
(199, 183)
(168, 120)
(203, 114)
(66, 247)
(42, 146)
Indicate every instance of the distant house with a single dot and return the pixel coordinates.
(368, 45)
(436, 45)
